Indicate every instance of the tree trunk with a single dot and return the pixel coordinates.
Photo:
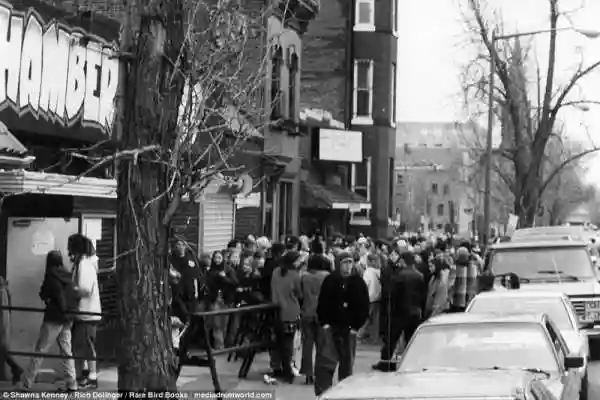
(526, 205)
(152, 97)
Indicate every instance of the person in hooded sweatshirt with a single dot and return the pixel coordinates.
(310, 282)
(85, 277)
(59, 295)
(342, 309)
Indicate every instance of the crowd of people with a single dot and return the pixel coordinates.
(331, 295)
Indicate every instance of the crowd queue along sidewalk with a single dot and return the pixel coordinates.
(332, 294)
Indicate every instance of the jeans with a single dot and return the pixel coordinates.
(49, 333)
(311, 331)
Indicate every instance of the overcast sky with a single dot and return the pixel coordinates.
(433, 52)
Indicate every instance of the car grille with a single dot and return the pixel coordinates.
(579, 306)
(592, 309)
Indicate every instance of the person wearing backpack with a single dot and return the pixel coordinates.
(60, 297)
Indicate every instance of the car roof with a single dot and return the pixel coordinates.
(476, 318)
(559, 230)
(530, 244)
(523, 294)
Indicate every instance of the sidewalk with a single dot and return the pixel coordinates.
(199, 379)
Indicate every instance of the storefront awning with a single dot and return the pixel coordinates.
(12, 151)
(20, 181)
(318, 196)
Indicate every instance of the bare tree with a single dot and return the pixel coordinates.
(531, 121)
(566, 190)
(190, 96)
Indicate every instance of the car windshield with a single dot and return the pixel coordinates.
(544, 263)
(479, 346)
(554, 307)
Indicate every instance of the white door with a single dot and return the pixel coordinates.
(217, 222)
(27, 243)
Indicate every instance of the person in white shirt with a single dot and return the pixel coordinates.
(372, 277)
(85, 279)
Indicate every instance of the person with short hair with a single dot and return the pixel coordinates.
(342, 309)
(318, 269)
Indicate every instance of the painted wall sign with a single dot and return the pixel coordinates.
(49, 73)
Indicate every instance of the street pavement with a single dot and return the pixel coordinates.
(199, 379)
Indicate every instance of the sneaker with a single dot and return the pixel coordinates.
(87, 383)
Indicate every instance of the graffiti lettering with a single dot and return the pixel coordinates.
(47, 71)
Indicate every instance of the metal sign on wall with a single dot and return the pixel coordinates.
(55, 78)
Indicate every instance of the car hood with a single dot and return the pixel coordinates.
(568, 288)
(429, 385)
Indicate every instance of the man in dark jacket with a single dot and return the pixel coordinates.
(342, 309)
(403, 305)
(191, 276)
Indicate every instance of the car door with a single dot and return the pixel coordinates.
(571, 379)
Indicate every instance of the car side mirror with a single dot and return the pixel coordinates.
(572, 362)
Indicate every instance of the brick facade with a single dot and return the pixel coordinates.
(325, 66)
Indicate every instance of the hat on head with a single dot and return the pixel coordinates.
(344, 256)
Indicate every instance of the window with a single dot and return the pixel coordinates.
(391, 170)
(285, 201)
(276, 92)
(400, 179)
(556, 343)
(446, 189)
(393, 94)
(363, 92)
(365, 16)
(104, 239)
(360, 183)
(440, 210)
(434, 188)
(293, 66)
(394, 15)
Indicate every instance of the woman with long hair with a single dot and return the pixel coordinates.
(221, 284)
(58, 294)
(85, 277)
(286, 293)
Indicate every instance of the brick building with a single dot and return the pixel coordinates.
(433, 177)
(350, 75)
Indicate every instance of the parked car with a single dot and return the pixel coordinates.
(555, 304)
(554, 265)
(480, 342)
(497, 385)
(475, 356)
